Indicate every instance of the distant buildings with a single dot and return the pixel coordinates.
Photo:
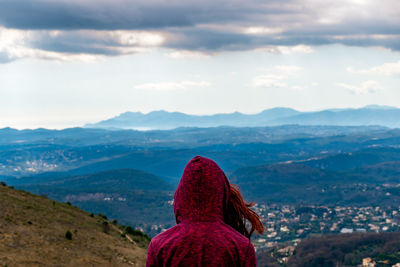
(286, 223)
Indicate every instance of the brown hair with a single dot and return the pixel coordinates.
(238, 213)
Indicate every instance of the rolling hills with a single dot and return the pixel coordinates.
(37, 231)
(132, 196)
(131, 175)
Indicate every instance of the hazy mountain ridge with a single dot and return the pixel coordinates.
(368, 115)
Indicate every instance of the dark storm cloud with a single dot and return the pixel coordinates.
(208, 25)
(122, 15)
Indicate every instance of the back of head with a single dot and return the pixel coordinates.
(211, 222)
(204, 193)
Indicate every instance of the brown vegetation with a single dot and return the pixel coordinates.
(33, 232)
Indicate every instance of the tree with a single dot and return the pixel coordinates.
(68, 235)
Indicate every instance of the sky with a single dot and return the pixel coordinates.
(64, 63)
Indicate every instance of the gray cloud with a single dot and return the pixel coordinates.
(117, 15)
(4, 57)
(87, 26)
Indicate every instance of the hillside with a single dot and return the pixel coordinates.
(116, 181)
(336, 250)
(348, 250)
(33, 231)
(132, 196)
(294, 183)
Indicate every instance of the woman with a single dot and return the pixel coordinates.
(211, 222)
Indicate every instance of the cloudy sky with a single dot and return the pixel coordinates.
(67, 62)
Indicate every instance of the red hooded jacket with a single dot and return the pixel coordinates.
(201, 237)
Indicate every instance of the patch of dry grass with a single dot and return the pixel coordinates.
(33, 228)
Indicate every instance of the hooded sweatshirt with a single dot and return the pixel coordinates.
(201, 237)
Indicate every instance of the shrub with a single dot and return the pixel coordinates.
(91, 215)
(106, 227)
(129, 230)
(3, 184)
(147, 237)
(68, 235)
(114, 221)
(138, 233)
(103, 216)
(69, 203)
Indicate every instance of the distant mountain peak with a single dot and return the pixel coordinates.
(164, 120)
(381, 107)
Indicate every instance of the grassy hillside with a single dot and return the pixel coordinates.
(33, 231)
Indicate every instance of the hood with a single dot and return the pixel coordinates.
(202, 193)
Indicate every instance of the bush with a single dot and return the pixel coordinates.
(68, 235)
(3, 184)
(130, 230)
(106, 227)
(137, 233)
(103, 216)
(69, 203)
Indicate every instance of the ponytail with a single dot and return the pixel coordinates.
(238, 213)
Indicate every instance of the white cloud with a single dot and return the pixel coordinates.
(276, 77)
(262, 30)
(135, 38)
(172, 86)
(182, 54)
(269, 81)
(86, 45)
(288, 69)
(302, 49)
(386, 69)
(298, 88)
(366, 87)
(286, 50)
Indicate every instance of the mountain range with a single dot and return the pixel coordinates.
(368, 115)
